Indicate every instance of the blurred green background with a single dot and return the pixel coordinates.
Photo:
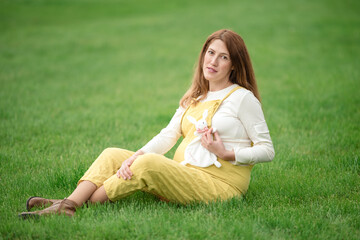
(79, 76)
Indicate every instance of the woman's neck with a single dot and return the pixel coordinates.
(213, 87)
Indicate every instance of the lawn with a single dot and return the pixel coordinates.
(77, 77)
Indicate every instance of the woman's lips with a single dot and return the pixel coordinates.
(211, 70)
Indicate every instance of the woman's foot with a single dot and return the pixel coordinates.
(66, 206)
(39, 202)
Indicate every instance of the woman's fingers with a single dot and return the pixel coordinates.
(208, 136)
(119, 173)
(203, 141)
(206, 139)
(212, 142)
(127, 172)
(216, 136)
(124, 171)
(124, 174)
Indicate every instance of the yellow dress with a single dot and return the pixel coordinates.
(167, 178)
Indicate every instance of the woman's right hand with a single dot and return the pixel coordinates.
(125, 171)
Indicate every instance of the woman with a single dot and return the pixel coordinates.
(224, 88)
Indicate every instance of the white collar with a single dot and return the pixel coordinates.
(220, 94)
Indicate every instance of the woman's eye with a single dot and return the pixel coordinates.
(210, 52)
(225, 57)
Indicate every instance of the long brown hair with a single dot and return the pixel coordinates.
(242, 74)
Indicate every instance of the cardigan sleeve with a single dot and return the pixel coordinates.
(252, 117)
(167, 137)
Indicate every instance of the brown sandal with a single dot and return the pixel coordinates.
(66, 206)
(39, 202)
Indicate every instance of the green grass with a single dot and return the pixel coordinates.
(77, 77)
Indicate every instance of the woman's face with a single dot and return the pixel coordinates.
(217, 64)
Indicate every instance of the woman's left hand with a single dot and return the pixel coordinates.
(215, 145)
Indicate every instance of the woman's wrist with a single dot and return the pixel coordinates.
(138, 153)
(227, 155)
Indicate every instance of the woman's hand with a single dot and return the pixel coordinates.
(125, 171)
(215, 145)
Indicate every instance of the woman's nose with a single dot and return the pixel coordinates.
(213, 61)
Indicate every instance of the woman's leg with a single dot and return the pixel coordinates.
(168, 179)
(83, 192)
(99, 196)
(90, 185)
(104, 166)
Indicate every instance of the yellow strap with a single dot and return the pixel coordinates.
(218, 105)
(215, 109)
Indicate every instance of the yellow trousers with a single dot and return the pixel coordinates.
(166, 178)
